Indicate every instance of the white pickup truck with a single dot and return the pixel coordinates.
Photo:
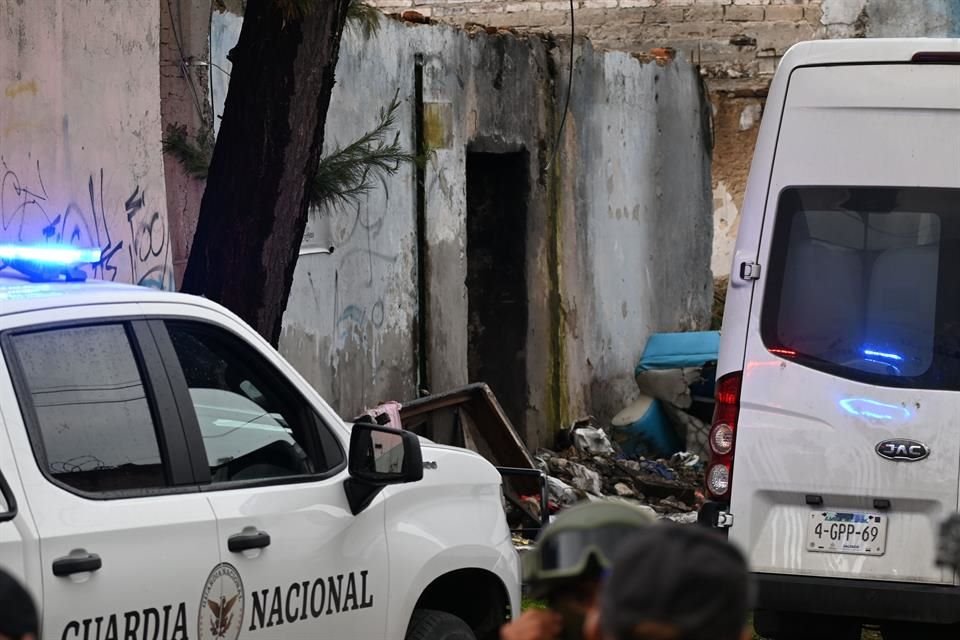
(166, 475)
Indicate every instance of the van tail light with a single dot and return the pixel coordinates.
(723, 435)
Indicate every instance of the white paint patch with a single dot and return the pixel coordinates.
(841, 11)
(726, 219)
(750, 116)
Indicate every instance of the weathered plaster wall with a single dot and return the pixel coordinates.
(184, 101)
(643, 185)
(630, 179)
(350, 321)
(736, 43)
(80, 157)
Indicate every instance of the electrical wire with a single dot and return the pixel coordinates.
(566, 106)
(184, 66)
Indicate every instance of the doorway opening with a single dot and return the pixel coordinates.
(497, 195)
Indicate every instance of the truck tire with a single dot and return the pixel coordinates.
(777, 626)
(427, 624)
(908, 631)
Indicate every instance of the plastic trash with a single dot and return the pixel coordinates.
(681, 518)
(591, 440)
(685, 458)
(658, 468)
(560, 492)
(586, 479)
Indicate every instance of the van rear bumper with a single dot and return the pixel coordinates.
(869, 600)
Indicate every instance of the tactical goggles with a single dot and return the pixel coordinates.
(568, 553)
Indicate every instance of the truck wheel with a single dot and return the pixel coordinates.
(427, 624)
(905, 631)
(779, 626)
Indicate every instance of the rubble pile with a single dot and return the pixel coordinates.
(590, 467)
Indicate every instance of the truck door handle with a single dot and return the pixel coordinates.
(248, 540)
(69, 565)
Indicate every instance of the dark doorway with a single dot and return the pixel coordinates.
(497, 189)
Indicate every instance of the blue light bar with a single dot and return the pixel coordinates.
(49, 254)
(881, 354)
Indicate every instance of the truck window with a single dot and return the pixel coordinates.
(253, 423)
(91, 408)
(860, 284)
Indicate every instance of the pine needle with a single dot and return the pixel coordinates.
(363, 17)
(296, 9)
(347, 174)
(194, 154)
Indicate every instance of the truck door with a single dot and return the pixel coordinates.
(19, 547)
(308, 567)
(126, 542)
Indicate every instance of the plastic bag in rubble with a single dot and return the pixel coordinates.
(560, 492)
(685, 458)
(592, 441)
(586, 479)
(681, 518)
(655, 467)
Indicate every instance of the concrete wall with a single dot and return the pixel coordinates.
(643, 182)
(350, 322)
(631, 176)
(736, 43)
(80, 157)
(185, 88)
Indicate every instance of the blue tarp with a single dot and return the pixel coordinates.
(679, 350)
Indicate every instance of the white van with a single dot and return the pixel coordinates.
(836, 439)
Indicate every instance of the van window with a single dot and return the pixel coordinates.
(861, 284)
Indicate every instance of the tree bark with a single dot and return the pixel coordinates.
(254, 208)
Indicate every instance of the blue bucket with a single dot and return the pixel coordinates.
(644, 429)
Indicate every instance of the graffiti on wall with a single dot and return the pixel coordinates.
(356, 318)
(132, 236)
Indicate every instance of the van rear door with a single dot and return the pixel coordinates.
(848, 440)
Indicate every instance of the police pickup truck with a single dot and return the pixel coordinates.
(166, 475)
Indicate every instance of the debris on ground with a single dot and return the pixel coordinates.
(587, 439)
(677, 375)
(588, 461)
(588, 465)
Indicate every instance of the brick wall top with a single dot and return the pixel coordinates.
(736, 42)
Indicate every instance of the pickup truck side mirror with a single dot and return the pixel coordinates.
(380, 456)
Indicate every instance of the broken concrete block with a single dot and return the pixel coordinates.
(623, 490)
(586, 479)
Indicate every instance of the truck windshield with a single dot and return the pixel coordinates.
(862, 284)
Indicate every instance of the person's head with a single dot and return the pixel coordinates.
(674, 582)
(18, 613)
(572, 552)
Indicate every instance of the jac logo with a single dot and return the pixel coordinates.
(906, 450)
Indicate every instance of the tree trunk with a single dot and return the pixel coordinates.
(254, 208)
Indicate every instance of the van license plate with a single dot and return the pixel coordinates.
(845, 532)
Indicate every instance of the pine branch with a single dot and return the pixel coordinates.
(343, 177)
(349, 173)
(296, 9)
(195, 154)
(363, 17)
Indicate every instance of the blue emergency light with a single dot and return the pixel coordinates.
(44, 262)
